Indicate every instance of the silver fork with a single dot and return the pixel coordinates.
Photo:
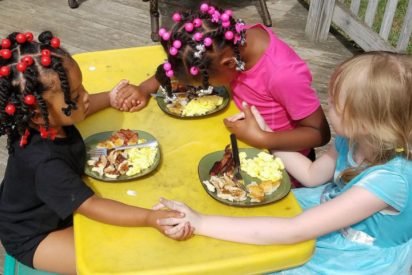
(237, 177)
(97, 152)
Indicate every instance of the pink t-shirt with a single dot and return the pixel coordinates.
(279, 85)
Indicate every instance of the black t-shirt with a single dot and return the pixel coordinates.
(41, 189)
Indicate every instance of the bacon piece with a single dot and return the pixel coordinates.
(225, 165)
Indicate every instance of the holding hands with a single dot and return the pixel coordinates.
(128, 97)
(178, 229)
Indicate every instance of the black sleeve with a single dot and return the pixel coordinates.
(60, 187)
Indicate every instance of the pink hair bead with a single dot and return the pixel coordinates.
(189, 27)
(194, 70)
(224, 17)
(177, 44)
(228, 12)
(204, 7)
(166, 36)
(176, 17)
(197, 22)
(229, 35)
(225, 24)
(173, 51)
(167, 66)
(162, 31)
(170, 73)
(198, 36)
(211, 10)
(208, 41)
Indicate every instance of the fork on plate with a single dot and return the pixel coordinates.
(237, 177)
(97, 152)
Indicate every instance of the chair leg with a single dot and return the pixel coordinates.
(154, 20)
(73, 4)
(266, 16)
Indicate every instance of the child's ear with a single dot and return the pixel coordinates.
(37, 118)
(228, 62)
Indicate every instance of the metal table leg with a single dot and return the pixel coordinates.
(265, 13)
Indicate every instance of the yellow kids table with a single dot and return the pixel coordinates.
(106, 249)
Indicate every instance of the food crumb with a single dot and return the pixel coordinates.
(131, 193)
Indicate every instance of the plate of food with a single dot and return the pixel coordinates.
(264, 177)
(187, 103)
(121, 155)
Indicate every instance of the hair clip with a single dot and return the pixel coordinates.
(21, 38)
(21, 67)
(198, 36)
(189, 27)
(55, 42)
(194, 70)
(173, 51)
(240, 65)
(177, 44)
(45, 60)
(207, 41)
(29, 99)
(200, 49)
(5, 43)
(10, 109)
(24, 137)
(204, 7)
(28, 60)
(229, 35)
(4, 70)
(5, 53)
(176, 17)
(399, 150)
(197, 22)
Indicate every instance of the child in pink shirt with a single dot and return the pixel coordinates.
(209, 47)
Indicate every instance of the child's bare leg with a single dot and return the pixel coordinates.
(56, 253)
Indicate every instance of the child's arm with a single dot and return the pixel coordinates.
(312, 131)
(347, 209)
(103, 100)
(134, 98)
(117, 213)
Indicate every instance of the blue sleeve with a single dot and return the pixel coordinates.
(388, 186)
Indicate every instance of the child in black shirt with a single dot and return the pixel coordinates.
(41, 98)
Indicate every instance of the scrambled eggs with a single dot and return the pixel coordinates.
(140, 159)
(264, 166)
(202, 105)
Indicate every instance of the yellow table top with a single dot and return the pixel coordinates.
(106, 249)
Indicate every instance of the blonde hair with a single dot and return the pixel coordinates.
(372, 92)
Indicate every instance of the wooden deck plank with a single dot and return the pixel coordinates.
(110, 24)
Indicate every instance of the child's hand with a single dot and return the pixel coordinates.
(180, 230)
(250, 128)
(190, 216)
(113, 93)
(130, 98)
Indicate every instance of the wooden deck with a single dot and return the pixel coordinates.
(110, 24)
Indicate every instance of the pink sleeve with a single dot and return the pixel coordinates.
(291, 87)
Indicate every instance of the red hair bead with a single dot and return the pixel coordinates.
(29, 100)
(5, 53)
(28, 60)
(10, 109)
(45, 60)
(29, 36)
(55, 42)
(21, 67)
(45, 52)
(5, 43)
(20, 38)
(4, 71)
